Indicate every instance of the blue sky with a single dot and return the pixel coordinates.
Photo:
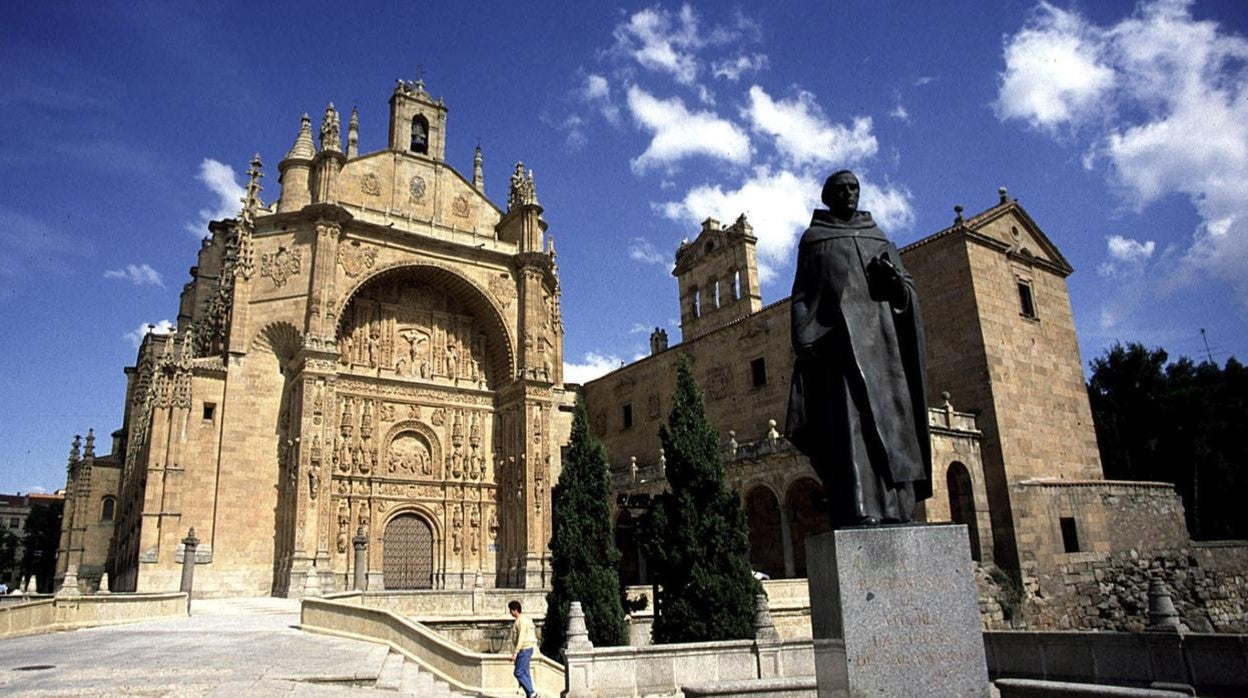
(1122, 128)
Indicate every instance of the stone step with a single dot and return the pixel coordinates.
(390, 677)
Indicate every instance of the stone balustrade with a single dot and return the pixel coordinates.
(52, 614)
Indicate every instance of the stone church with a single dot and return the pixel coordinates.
(378, 352)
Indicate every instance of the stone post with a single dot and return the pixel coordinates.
(104, 584)
(577, 637)
(1161, 614)
(360, 541)
(764, 628)
(69, 585)
(189, 544)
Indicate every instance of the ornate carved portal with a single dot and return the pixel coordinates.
(408, 554)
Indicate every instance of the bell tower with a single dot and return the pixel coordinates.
(717, 275)
(417, 121)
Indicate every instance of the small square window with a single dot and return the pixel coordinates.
(15, 522)
(1070, 534)
(758, 372)
(1026, 301)
(210, 411)
(627, 413)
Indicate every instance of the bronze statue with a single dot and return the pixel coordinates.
(856, 406)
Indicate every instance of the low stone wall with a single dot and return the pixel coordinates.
(1208, 583)
(47, 615)
(1212, 664)
(665, 669)
(464, 670)
(441, 603)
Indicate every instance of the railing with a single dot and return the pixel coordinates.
(472, 672)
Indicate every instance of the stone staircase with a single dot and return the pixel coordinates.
(398, 673)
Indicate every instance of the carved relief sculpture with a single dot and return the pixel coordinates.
(281, 265)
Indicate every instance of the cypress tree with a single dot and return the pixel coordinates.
(584, 557)
(696, 533)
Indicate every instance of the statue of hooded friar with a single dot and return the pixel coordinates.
(856, 405)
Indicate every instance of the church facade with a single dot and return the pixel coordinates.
(376, 353)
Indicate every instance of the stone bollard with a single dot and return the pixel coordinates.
(69, 585)
(577, 637)
(360, 581)
(104, 584)
(189, 544)
(764, 628)
(1162, 617)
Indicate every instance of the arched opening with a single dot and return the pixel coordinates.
(631, 566)
(407, 553)
(809, 516)
(734, 279)
(696, 304)
(107, 506)
(962, 503)
(762, 513)
(426, 324)
(420, 135)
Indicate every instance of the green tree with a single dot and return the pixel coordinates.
(9, 570)
(43, 535)
(696, 533)
(1180, 422)
(584, 557)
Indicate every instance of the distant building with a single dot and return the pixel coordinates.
(14, 512)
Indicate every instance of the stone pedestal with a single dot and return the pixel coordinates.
(894, 612)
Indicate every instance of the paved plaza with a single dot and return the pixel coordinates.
(228, 647)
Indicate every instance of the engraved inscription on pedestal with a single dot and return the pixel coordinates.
(894, 612)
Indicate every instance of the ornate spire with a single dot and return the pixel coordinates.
(303, 148)
(331, 137)
(251, 198)
(89, 450)
(478, 176)
(353, 133)
(73, 449)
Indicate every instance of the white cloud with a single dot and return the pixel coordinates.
(890, 205)
(136, 274)
(662, 41)
(680, 133)
(1054, 70)
(642, 250)
(162, 327)
(733, 68)
(593, 366)
(219, 179)
(1180, 121)
(639, 328)
(597, 92)
(804, 136)
(1125, 256)
(899, 112)
(777, 204)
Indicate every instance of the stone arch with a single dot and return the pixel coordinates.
(411, 544)
(426, 433)
(498, 332)
(762, 512)
(808, 515)
(962, 503)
